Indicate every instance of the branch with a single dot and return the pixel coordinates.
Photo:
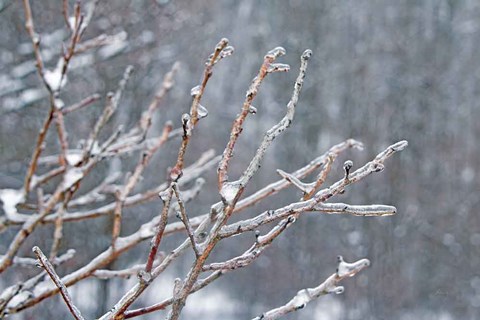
(132, 181)
(320, 197)
(305, 296)
(184, 218)
(238, 123)
(377, 210)
(56, 279)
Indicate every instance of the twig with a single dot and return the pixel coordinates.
(238, 123)
(38, 149)
(81, 104)
(29, 25)
(184, 218)
(58, 282)
(132, 181)
(305, 296)
(317, 200)
(165, 303)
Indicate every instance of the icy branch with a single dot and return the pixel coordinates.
(305, 296)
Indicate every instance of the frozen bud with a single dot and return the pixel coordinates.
(227, 51)
(222, 44)
(275, 53)
(278, 67)
(347, 166)
(202, 112)
(378, 167)
(252, 110)
(337, 290)
(195, 91)
(257, 234)
(399, 146)
(144, 276)
(164, 195)
(307, 54)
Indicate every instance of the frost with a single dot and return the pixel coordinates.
(229, 191)
(10, 199)
(195, 91)
(72, 176)
(252, 110)
(202, 112)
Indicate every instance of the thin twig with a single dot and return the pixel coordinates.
(132, 181)
(58, 282)
(238, 123)
(305, 296)
(183, 216)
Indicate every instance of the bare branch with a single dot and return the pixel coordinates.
(356, 210)
(183, 216)
(305, 296)
(238, 123)
(56, 279)
(81, 104)
(132, 181)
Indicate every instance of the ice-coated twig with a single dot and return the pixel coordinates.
(38, 149)
(237, 126)
(143, 162)
(184, 218)
(236, 188)
(167, 83)
(58, 232)
(110, 107)
(300, 173)
(376, 210)
(124, 273)
(318, 199)
(165, 303)
(197, 93)
(35, 37)
(261, 243)
(31, 262)
(81, 104)
(305, 296)
(58, 282)
(27, 228)
(145, 232)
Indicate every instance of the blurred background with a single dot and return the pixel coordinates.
(382, 71)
